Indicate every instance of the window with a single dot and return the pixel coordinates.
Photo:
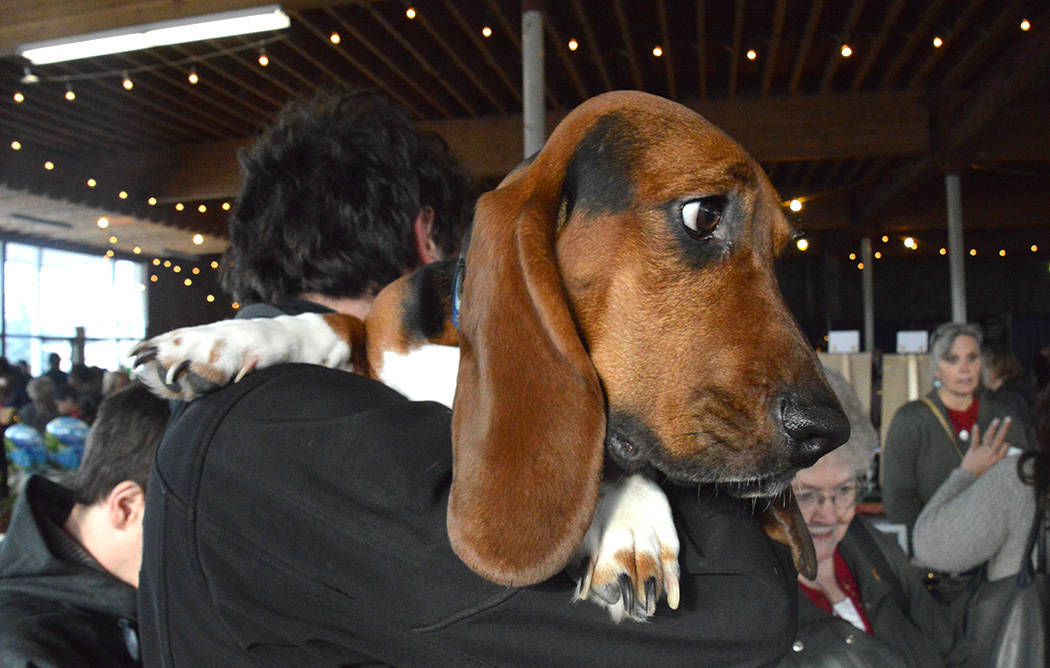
(48, 294)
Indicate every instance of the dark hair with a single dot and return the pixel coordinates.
(1038, 474)
(121, 443)
(1000, 363)
(330, 195)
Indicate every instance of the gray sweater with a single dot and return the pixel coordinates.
(970, 520)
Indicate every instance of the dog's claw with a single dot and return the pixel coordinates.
(143, 356)
(626, 592)
(650, 596)
(671, 587)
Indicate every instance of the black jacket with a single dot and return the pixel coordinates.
(297, 518)
(910, 628)
(57, 606)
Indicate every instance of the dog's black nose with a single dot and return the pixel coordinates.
(813, 428)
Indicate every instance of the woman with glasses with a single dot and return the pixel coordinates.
(867, 606)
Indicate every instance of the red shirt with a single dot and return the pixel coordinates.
(846, 581)
(964, 419)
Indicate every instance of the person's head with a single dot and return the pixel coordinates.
(341, 196)
(1037, 473)
(54, 360)
(110, 484)
(66, 399)
(41, 392)
(998, 366)
(828, 491)
(955, 357)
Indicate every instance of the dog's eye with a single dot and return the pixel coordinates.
(701, 216)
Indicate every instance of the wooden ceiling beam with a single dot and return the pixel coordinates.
(735, 50)
(807, 42)
(628, 44)
(482, 47)
(835, 59)
(701, 47)
(592, 45)
(774, 46)
(665, 36)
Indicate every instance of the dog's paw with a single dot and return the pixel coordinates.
(190, 362)
(630, 553)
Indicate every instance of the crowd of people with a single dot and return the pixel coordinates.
(298, 516)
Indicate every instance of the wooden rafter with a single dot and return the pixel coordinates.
(980, 51)
(836, 57)
(665, 37)
(562, 50)
(480, 44)
(628, 44)
(701, 48)
(804, 47)
(888, 21)
(738, 39)
(934, 55)
(424, 63)
(774, 46)
(592, 44)
(916, 36)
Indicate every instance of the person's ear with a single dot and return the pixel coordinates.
(424, 227)
(126, 504)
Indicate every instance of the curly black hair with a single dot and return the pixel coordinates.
(331, 192)
(1038, 473)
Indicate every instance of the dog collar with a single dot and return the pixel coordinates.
(457, 288)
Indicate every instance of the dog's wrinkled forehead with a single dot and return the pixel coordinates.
(602, 176)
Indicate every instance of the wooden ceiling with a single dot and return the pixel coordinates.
(864, 140)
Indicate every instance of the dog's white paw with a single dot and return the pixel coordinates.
(190, 362)
(630, 552)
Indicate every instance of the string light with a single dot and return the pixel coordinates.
(878, 255)
(214, 264)
(202, 208)
(176, 269)
(573, 44)
(885, 238)
(334, 38)
(225, 206)
(860, 265)
(91, 183)
(802, 244)
(937, 42)
(153, 278)
(486, 32)
(1033, 248)
(152, 201)
(235, 306)
(167, 263)
(196, 270)
(156, 262)
(846, 51)
(110, 253)
(127, 83)
(657, 51)
(179, 206)
(973, 252)
(209, 298)
(410, 12)
(1002, 252)
(70, 95)
(49, 165)
(18, 97)
(910, 243)
(112, 240)
(137, 250)
(943, 251)
(16, 145)
(795, 205)
(102, 223)
(752, 54)
(264, 60)
(1026, 25)
(193, 78)
(852, 256)
(198, 239)
(123, 194)
(188, 282)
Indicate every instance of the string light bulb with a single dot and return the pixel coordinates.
(209, 298)
(658, 51)
(943, 250)
(225, 206)
(846, 51)
(102, 223)
(123, 194)
(214, 264)
(16, 145)
(486, 32)
(198, 239)
(852, 256)
(1033, 248)
(802, 244)
(264, 60)
(937, 42)
(127, 83)
(334, 38)
(573, 44)
(202, 208)
(18, 97)
(1002, 252)
(752, 54)
(70, 95)
(795, 205)
(91, 183)
(193, 78)
(152, 201)
(1026, 25)
(410, 13)
(48, 165)
(878, 255)
(179, 206)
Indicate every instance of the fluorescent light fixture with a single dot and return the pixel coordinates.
(177, 31)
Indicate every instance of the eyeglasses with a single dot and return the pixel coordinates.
(842, 498)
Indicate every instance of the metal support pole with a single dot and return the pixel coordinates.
(956, 253)
(867, 277)
(532, 75)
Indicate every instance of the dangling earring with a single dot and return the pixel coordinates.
(936, 382)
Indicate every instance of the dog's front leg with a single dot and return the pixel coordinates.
(630, 552)
(189, 362)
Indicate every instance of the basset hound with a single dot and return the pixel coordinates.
(616, 304)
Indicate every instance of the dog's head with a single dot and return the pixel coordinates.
(620, 297)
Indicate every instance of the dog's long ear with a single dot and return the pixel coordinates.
(529, 419)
